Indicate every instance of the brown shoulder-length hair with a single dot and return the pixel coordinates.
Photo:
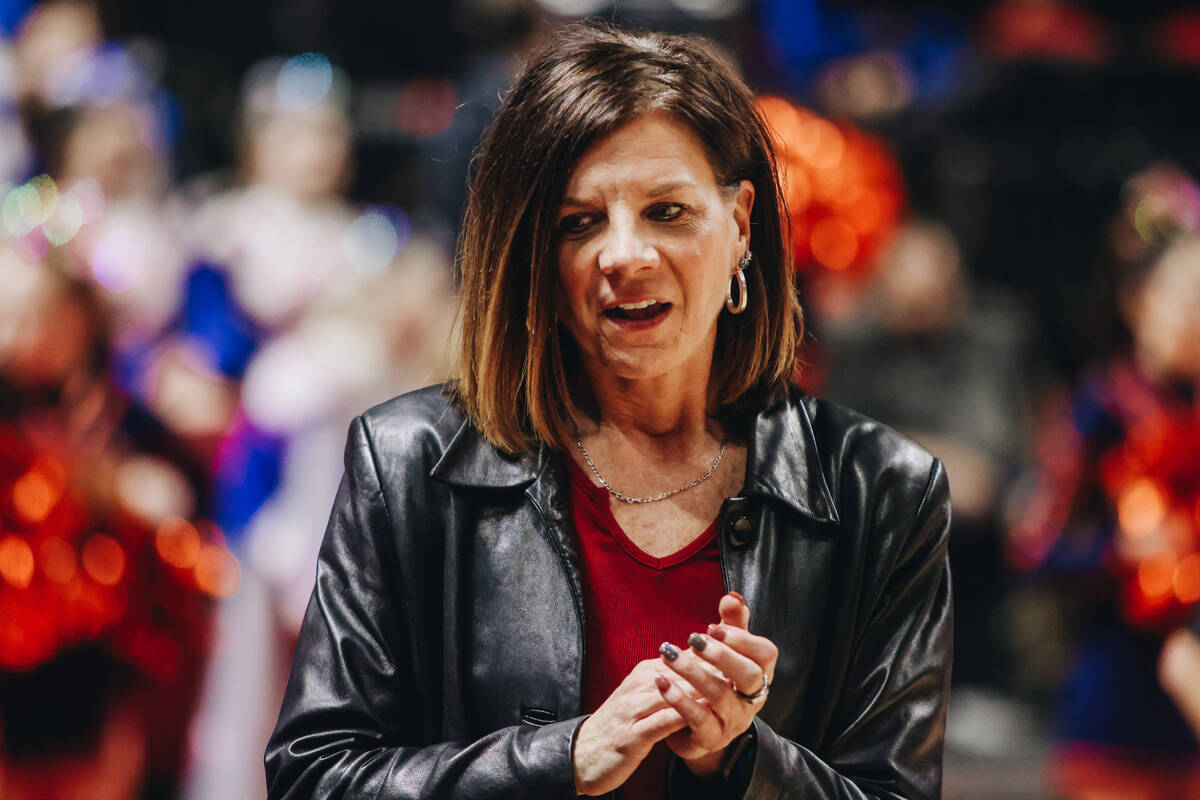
(518, 365)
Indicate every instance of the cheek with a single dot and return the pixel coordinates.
(571, 297)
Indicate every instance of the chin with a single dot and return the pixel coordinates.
(641, 366)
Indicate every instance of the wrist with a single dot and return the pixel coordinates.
(707, 765)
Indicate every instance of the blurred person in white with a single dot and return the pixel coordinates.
(98, 120)
(344, 309)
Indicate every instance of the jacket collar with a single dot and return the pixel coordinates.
(782, 462)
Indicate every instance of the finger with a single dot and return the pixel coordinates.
(733, 610)
(660, 724)
(701, 676)
(745, 673)
(758, 649)
(642, 703)
(703, 722)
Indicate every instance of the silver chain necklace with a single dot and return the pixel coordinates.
(655, 497)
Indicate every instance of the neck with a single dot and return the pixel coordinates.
(675, 407)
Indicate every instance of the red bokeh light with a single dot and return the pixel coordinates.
(843, 189)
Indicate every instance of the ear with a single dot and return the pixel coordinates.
(743, 204)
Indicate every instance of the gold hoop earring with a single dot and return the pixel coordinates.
(740, 277)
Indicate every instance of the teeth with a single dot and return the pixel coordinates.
(636, 306)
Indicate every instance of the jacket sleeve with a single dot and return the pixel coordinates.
(889, 724)
(350, 725)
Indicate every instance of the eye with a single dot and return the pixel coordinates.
(665, 212)
(575, 224)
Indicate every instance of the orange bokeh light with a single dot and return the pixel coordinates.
(1186, 581)
(16, 561)
(103, 559)
(1141, 507)
(866, 213)
(834, 243)
(217, 571)
(1156, 576)
(36, 492)
(57, 559)
(833, 172)
(177, 542)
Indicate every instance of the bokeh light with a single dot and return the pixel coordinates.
(425, 107)
(103, 559)
(834, 244)
(304, 81)
(16, 561)
(57, 560)
(177, 542)
(36, 492)
(372, 241)
(65, 222)
(22, 209)
(217, 571)
(1141, 508)
(1155, 576)
(90, 197)
(153, 489)
(843, 189)
(1186, 581)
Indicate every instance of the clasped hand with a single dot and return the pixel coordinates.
(688, 700)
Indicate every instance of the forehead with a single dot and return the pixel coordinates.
(652, 150)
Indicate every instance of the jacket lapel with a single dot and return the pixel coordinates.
(783, 462)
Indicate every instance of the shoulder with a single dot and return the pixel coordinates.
(850, 440)
(892, 495)
(417, 425)
(874, 469)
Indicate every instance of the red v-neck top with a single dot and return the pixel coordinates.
(633, 602)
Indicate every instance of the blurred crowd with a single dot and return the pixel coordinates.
(184, 339)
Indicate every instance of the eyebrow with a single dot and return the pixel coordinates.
(656, 191)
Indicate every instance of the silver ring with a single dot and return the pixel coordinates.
(758, 696)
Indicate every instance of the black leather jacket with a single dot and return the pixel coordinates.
(441, 653)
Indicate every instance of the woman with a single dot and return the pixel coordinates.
(623, 446)
(1126, 704)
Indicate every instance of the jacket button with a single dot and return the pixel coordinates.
(740, 531)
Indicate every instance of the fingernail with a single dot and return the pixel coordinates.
(669, 651)
(716, 632)
(740, 599)
(662, 683)
(697, 642)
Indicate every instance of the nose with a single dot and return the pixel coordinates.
(623, 247)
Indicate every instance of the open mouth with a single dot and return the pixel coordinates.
(637, 312)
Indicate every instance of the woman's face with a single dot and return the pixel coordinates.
(1164, 318)
(647, 243)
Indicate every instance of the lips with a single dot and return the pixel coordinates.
(638, 311)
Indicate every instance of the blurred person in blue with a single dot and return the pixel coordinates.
(1113, 520)
(624, 460)
(306, 310)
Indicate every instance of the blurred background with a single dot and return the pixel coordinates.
(228, 227)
